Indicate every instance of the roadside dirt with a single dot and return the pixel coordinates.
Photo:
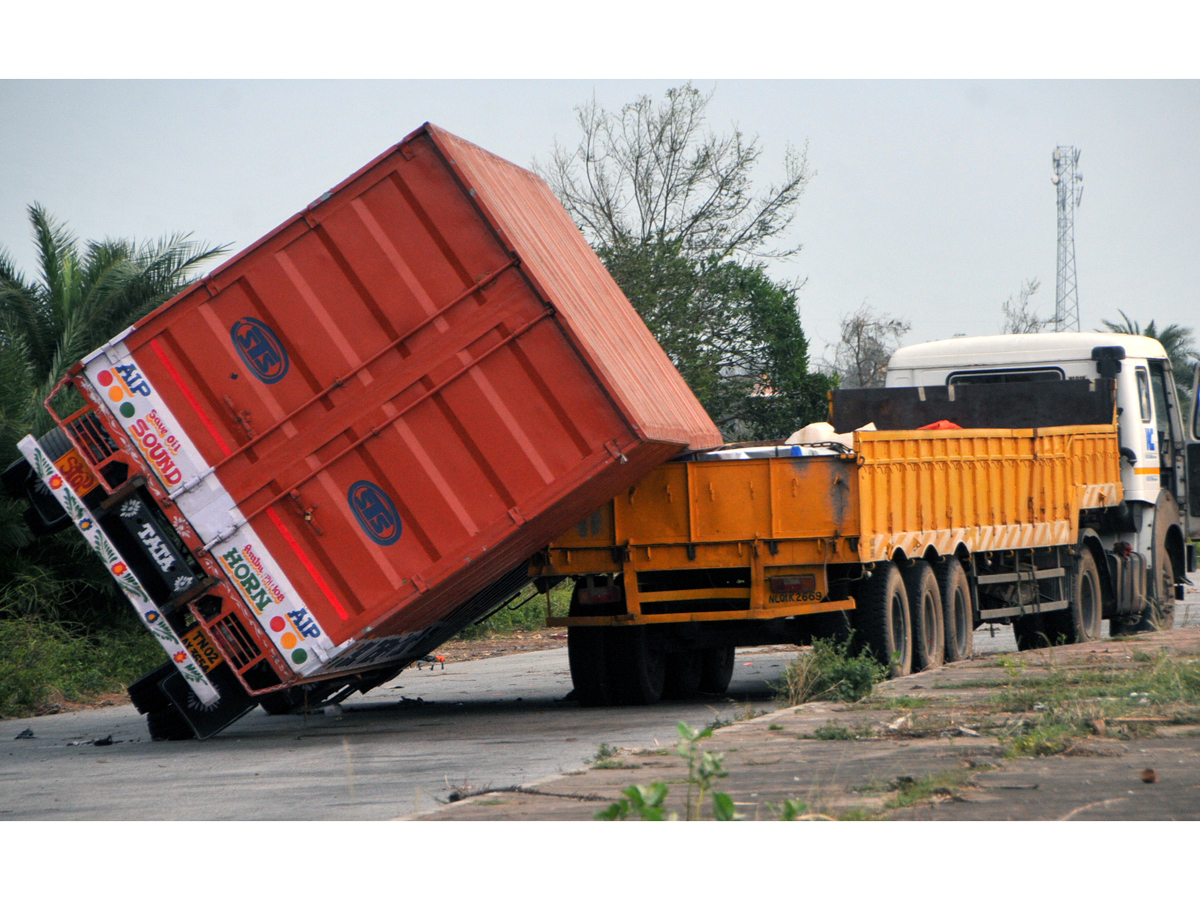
(1105, 730)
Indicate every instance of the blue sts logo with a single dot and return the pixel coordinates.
(375, 511)
(259, 349)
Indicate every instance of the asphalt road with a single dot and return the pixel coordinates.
(395, 752)
(495, 722)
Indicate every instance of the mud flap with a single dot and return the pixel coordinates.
(206, 721)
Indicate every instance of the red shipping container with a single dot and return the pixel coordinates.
(392, 401)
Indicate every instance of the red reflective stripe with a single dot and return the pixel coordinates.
(312, 570)
(188, 396)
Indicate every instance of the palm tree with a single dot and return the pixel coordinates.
(82, 297)
(1181, 350)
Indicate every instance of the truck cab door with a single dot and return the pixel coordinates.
(1192, 479)
(1167, 425)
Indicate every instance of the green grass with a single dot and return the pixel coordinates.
(898, 703)
(1061, 707)
(518, 616)
(43, 663)
(831, 732)
(910, 791)
(1045, 739)
(605, 752)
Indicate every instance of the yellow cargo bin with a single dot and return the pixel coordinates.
(773, 526)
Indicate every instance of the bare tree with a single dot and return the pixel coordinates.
(653, 174)
(1019, 315)
(866, 343)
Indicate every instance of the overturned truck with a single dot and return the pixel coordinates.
(343, 445)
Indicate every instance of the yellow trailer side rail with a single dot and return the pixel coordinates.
(761, 522)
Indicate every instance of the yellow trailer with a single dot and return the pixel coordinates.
(708, 553)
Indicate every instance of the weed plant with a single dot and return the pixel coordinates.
(833, 732)
(829, 671)
(705, 768)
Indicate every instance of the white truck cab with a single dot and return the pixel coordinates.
(1160, 459)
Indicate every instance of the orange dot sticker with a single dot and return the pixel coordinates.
(288, 641)
(116, 392)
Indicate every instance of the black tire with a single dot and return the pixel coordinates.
(1122, 625)
(637, 669)
(588, 660)
(1030, 631)
(589, 665)
(1080, 622)
(168, 724)
(297, 699)
(1159, 614)
(281, 703)
(959, 621)
(145, 693)
(684, 670)
(882, 620)
(927, 616)
(716, 669)
(833, 626)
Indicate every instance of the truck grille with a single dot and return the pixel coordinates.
(234, 640)
(93, 440)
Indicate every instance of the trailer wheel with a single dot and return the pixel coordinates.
(586, 646)
(959, 622)
(684, 670)
(145, 693)
(925, 613)
(168, 724)
(1030, 631)
(882, 619)
(716, 669)
(637, 669)
(1159, 614)
(1080, 621)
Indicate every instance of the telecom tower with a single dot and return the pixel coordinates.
(1069, 183)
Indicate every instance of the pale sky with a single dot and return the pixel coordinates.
(931, 201)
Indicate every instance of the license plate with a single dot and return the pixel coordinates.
(202, 650)
(76, 472)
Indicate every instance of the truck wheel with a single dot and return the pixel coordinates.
(1080, 621)
(927, 617)
(1159, 614)
(1030, 631)
(589, 665)
(716, 669)
(684, 670)
(168, 724)
(638, 670)
(959, 622)
(586, 646)
(833, 626)
(882, 619)
(145, 693)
